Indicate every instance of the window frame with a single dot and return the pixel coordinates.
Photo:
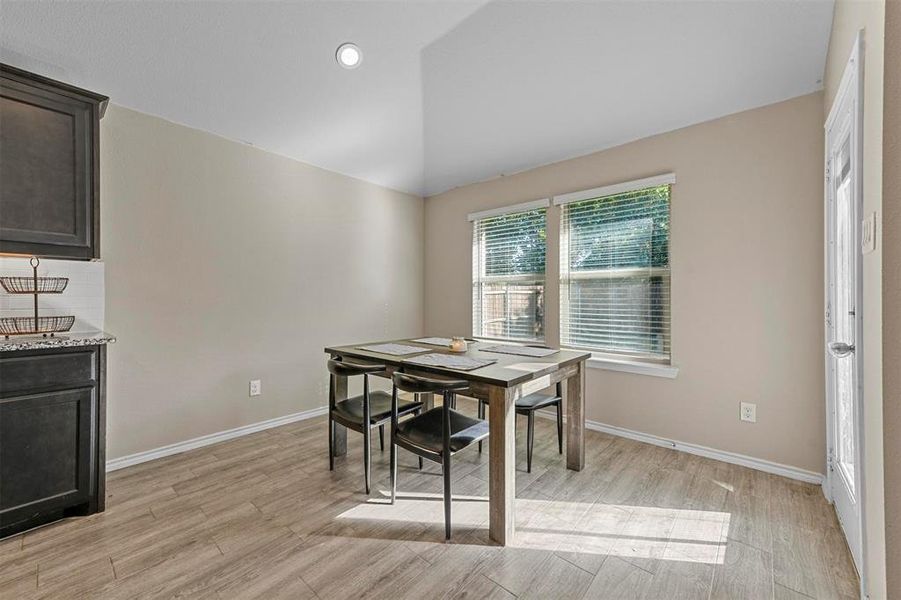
(605, 355)
(479, 278)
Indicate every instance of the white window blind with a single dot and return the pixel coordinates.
(508, 266)
(615, 272)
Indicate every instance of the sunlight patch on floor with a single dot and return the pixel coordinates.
(428, 508)
(726, 486)
(628, 531)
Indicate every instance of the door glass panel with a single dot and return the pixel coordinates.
(843, 320)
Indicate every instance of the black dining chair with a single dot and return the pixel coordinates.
(436, 434)
(362, 413)
(527, 405)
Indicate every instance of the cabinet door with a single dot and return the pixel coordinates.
(47, 172)
(45, 452)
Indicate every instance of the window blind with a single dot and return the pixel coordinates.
(508, 269)
(615, 274)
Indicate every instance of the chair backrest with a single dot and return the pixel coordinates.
(339, 368)
(419, 385)
(347, 369)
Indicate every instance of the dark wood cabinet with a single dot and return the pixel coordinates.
(49, 166)
(52, 440)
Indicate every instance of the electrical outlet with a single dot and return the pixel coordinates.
(256, 387)
(748, 412)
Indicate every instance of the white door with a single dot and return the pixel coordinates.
(843, 316)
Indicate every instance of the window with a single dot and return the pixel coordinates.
(615, 271)
(508, 258)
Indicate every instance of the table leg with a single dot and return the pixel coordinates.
(340, 430)
(575, 420)
(427, 399)
(501, 463)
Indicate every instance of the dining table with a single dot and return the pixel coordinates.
(513, 371)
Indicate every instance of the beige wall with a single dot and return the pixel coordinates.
(849, 18)
(226, 263)
(747, 278)
(891, 293)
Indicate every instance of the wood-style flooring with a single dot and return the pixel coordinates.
(262, 517)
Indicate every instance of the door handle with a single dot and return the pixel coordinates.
(840, 349)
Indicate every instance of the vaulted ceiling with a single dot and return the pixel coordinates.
(448, 92)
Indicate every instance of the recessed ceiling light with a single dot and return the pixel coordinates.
(349, 56)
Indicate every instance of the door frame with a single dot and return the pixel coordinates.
(851, 83)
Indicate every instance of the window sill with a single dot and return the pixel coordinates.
(638, 368)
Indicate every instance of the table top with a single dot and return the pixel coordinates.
(508, 371)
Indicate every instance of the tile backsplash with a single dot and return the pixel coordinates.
(83, 297)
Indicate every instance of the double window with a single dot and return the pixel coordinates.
(508, 264)
(614, 281)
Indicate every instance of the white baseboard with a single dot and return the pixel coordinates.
(722, 455)
(213, 438)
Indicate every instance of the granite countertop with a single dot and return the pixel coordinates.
(59, 340)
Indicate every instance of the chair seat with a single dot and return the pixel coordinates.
(425, 430)
(533, 401)
(379, 407)
(536, 401)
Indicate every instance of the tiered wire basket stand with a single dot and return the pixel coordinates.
(34, 285)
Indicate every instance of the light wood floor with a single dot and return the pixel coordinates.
(261, 516)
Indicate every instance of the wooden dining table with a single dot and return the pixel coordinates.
(501, 384)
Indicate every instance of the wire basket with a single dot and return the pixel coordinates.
(34, 286)
(26, 325)
(26, 285)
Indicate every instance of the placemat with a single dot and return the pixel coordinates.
(434, 341)
(449, 361)
(520, 350)
(393, 349)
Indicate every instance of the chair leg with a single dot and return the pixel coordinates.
(417, 413)
(393, 469)
(481, 416)
(366, 456)
(530, 440)
(331, 444)
(447, 496)
(382, 437)
(560, 427)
